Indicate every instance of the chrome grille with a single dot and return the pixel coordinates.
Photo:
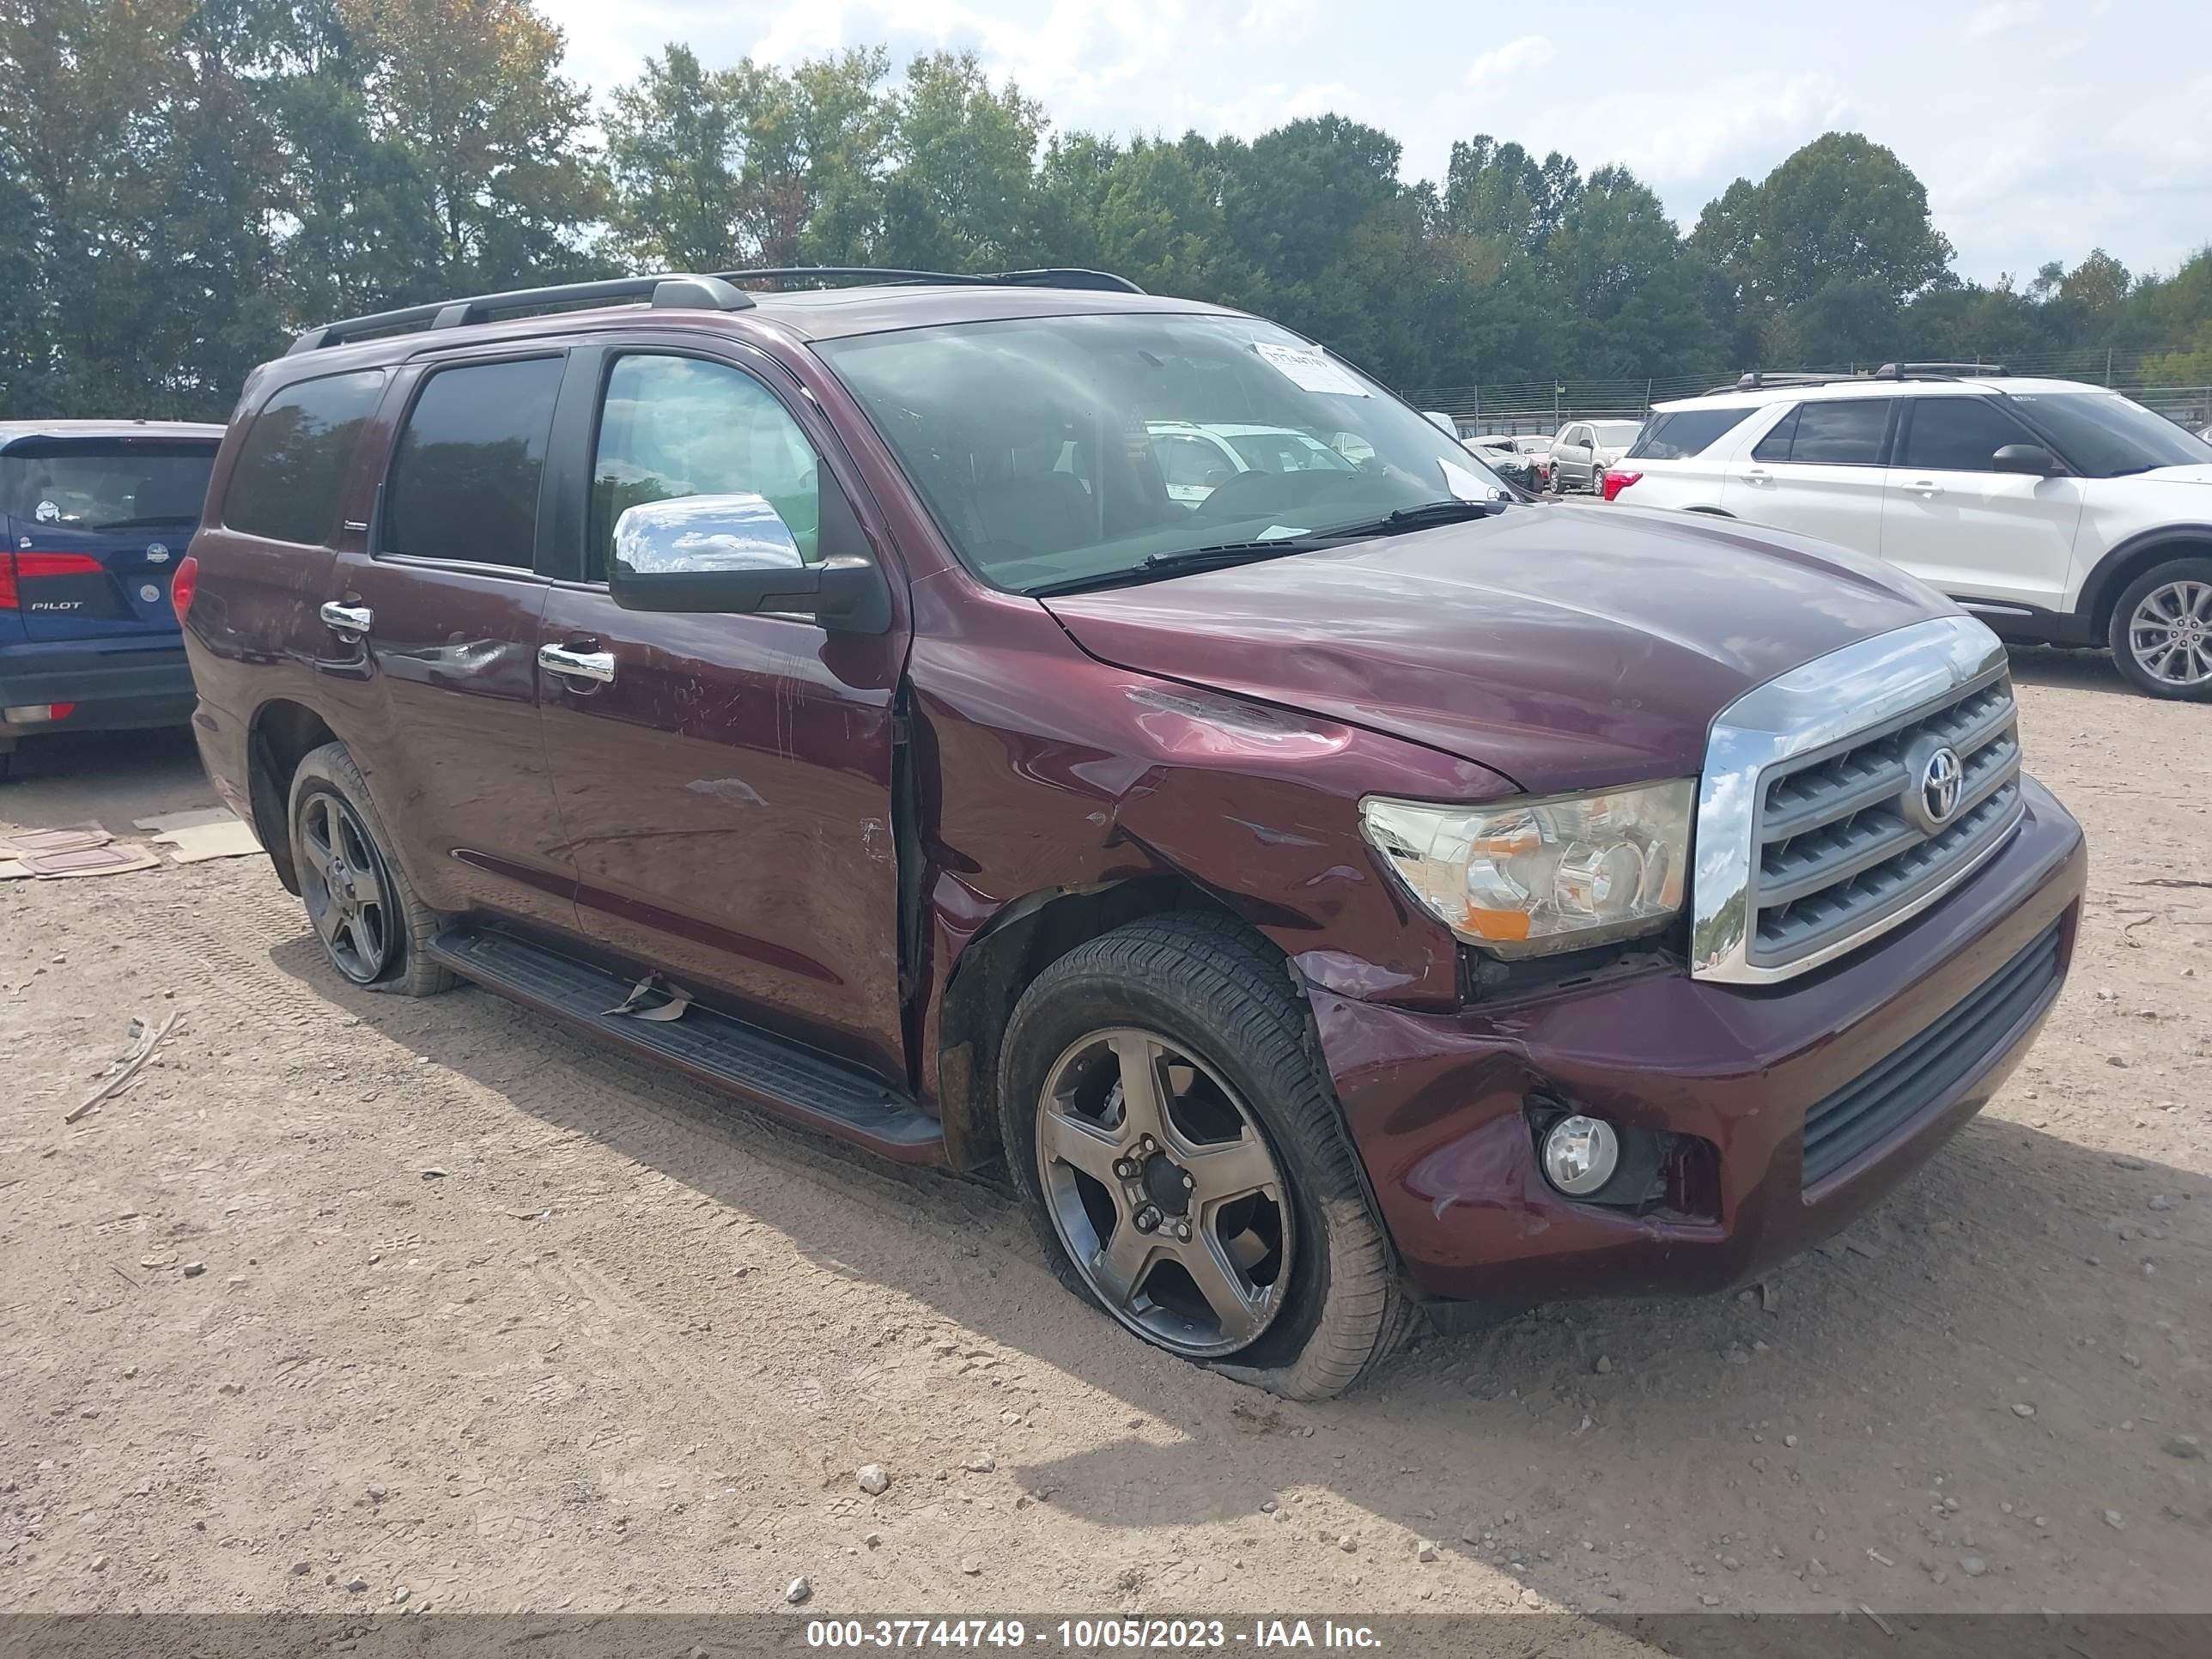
(1837, 845)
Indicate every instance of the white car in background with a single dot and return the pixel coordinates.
(1195, 460)
(2054, 511)
(1584, 449)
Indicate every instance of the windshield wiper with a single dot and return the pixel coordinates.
(1218, 556)
(1451, 511)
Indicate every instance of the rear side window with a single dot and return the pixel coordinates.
(285, 484)
(1775, 445)
(464, 482)
(1847, 432)
(1679, 434)
(1959, 435)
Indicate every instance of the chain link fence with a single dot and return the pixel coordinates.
(1544, 406)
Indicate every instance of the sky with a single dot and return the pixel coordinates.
(2041, 128)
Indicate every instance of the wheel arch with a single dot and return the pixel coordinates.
(2129, 560)
(1023, 938)
(282, 734)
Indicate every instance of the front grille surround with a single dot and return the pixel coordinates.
(1807, 845)
(1837, 852)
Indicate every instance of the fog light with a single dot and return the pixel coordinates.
(1580, 1154)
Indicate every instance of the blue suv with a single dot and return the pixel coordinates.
(97, 516)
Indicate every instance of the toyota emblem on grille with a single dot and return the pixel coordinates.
(1939, 777)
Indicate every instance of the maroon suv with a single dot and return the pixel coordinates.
(1024, 717)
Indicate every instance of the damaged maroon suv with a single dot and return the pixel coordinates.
(1023, 718)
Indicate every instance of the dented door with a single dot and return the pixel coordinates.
(723, 782)
(727, 798)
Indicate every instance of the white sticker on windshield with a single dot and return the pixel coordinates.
(1308, 370)
(1275, 533)
(1465, 485)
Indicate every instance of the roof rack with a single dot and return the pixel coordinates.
(691, 293)
(1759, 378)
(717, 292)
(1044, 277)
(1939, 371)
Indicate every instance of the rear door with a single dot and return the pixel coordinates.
(95, 527)
(1962, 527)
(432, 622)
(725, 782)
(1818, 471)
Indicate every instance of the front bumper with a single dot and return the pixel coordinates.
(115, 690)
(1436, 1103)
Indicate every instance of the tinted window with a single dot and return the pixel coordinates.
(1958, 434)
(1679, 434)
(106, 483)
(1775, 445)
(1842, 433)
(290, 468)
(464, 481)
(673, 426)
(2108, 436)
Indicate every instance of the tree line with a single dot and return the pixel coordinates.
(183, 183)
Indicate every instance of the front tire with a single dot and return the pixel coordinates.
(2161, 631)
(1179, 1151)
(372, 927)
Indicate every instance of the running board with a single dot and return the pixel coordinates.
(799, 1085)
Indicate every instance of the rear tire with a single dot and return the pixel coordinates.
(2160, 631)
(373, 929)
(1283, 1236)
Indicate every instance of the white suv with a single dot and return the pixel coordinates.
(2054, 511)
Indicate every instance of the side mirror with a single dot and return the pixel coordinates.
(2032, 458)
(734, 553)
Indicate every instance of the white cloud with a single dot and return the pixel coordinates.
(1269, 106)
(1529, 52)
(1997, 18)
(1697, 132)
(1274, 16)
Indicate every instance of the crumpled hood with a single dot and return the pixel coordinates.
(1567, 648)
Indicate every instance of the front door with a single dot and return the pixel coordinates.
(1818, 471)
(433, 642)
(725, 781)
(1967, 529)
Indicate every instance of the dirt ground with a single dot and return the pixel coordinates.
(350, 1302)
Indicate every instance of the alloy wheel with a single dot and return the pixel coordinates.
(2170, 634)
(1164, 1192)
(344, 884)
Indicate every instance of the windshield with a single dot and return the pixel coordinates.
(1058, 449)
(109, 484)
(2104, 436)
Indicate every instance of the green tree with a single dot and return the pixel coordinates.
(960, 197)
(467, 92)
(676, 153)
(1622, 268)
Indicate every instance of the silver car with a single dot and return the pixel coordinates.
(1584, 449)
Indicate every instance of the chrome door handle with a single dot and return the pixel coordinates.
(1927, 488)
(349, 619)
(595, 665)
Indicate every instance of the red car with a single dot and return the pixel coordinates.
(1351, 889)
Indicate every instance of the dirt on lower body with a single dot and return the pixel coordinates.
(350, 1302)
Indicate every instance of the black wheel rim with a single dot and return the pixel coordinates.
(343, 879)
(1166, 1194)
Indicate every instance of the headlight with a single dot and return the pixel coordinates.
(1526, 877)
